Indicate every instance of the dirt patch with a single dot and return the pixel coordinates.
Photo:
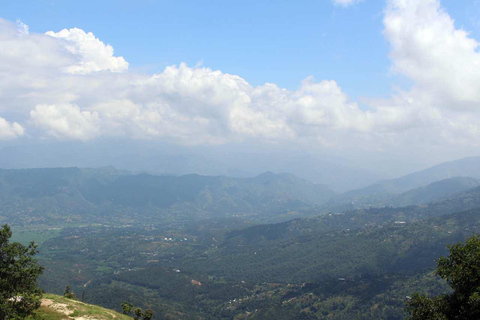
(62, 308)
(69, 308)
(46, 302)
(196, 283)
(59, 307)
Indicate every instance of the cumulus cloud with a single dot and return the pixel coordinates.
(198, 105)
(92, 53)
(10, 130)
(426, 47)
(444, 64)
(66, 121)
(69, 85)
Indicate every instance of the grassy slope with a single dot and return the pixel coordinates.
(60, 307)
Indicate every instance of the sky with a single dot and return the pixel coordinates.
(395, 80)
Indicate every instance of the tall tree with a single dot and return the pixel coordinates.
(127, 307)
(68, 293)
(148, 315)
(19, 270)
(461, 269)
(138, 313)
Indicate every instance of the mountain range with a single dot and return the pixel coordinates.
(44, 195)
(419, 187)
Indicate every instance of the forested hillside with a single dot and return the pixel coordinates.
(358, 265)
(434, 191)
(467, 167)
(373, 197)
(56, 196)
(199, 247)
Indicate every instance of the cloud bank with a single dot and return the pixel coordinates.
(70, 85)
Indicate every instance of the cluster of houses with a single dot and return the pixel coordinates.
(174, 239)
(169, 239)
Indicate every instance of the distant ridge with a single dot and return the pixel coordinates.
(383, 192)
(90, 194)
(165, 159)
(434, 191)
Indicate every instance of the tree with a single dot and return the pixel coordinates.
(127, 307)
(148, 315)
(68, 293)
(19, 270)
(138, 313)
(461, 269)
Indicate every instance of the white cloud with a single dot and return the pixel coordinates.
(444, 64)
(426, 47)
(66, 121)
(346, 3)
(198, 105)
(22, 28)
(93, 54)
(10, 130)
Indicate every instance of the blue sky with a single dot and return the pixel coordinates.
(263, 41)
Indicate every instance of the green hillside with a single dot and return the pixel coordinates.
(189, 248)
(350, 262)
(69, 196)
(421, 184)
(60, 308)
(434, 191)
(466, 167)
(373, 197)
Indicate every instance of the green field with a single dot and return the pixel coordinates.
(39, 236)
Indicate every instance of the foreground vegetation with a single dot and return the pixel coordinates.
(19, 270)
(461, 269)
(60, 308)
